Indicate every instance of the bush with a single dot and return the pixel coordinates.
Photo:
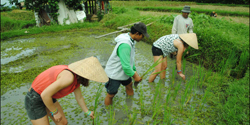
(8, 24)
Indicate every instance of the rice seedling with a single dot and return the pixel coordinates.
(187, 90)
(190, 119)
(156, 100)
(173, 76)
(203, 101)
(98, 94)
(167, 114)
(132, 119)
(230, 62)
(111, 120)
(241, 68)
(183, 65)
(150, 69)
(142, 102)
(176, 91)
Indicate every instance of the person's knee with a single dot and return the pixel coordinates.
(63, 122)
(129, 86)
(164, 67)
(110, 95)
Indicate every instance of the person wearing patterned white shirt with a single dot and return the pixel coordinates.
(168, 44)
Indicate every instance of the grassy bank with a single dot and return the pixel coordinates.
(197, 10)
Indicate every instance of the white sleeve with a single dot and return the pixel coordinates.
(174, 28)
(190, 29)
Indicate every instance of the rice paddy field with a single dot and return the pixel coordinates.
(206, 96)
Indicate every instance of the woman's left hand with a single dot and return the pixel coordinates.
(182, 76)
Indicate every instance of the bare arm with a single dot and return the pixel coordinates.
(80, 100)
(64, 79)
(180, 51)
(179, 54)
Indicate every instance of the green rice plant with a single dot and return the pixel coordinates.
(167, 114)
(142, 102)
(190, 119)
(155, 100)
(156, 122)
(111, 120)
(173, 75)
(203, 101)
(133, 118)
(201, 76)
(176, 91)
(150, 69)
(183, 65)
(230, 62)
(188, 89)
(98, 94)
(243, 63)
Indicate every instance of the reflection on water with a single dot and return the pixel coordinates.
(22, 54)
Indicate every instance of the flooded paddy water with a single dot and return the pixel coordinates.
(161, 102)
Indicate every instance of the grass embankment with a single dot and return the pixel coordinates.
(197, 10)
(220, 9)
(16, 19)
(21, 23)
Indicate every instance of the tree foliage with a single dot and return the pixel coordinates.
(37, 5)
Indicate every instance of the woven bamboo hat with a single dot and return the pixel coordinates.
(89, 68)
(190, 39)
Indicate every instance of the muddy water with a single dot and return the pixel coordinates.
(25, 54)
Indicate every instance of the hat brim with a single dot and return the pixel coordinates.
(190, 39)
(89, 68)
(186, 11)
(146, 34)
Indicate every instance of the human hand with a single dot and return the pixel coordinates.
(92, 115)
(57, 117)
(137, 78)
(182, 76)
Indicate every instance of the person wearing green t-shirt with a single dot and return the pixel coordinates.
(120, 66)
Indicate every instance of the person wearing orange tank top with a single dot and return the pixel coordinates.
(57, 82)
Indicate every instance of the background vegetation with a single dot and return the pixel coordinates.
(223, 47)
(203, 1)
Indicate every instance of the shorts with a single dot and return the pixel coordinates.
(34, 105)
(156, 51)
(112, 85)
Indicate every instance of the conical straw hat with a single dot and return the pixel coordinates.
(190, 39)
(89, 68)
